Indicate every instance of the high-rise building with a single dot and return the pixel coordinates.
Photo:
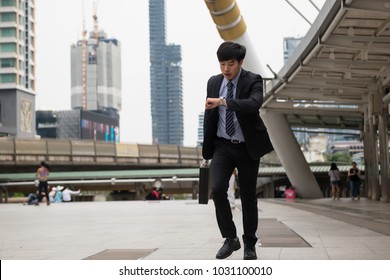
(17, 68)
(200, 129)
(95, 93)
(102, 89)
(289, 46)
(165, 80)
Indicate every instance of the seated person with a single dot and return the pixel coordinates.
(32, 199)
(58, 196)
(67, 194)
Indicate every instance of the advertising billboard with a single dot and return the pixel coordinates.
(96, 126)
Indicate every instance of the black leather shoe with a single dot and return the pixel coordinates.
(229, 246)
(249, 252)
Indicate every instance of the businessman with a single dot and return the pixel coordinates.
(235, 137)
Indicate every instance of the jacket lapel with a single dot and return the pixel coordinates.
(240, 82)
(217, 86)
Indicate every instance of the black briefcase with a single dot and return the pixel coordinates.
(204, 193)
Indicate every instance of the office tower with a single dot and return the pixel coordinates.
(165, 80)
(289, 46)
(96, 74)
(200, 129)
(17, 68)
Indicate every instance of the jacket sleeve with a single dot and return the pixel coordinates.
(250, 97)
(209, 123)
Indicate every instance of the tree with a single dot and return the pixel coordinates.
(340, 157)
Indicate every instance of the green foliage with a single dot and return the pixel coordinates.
(340, 157)
(17, 194)
(181, 196)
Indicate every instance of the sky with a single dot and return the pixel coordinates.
(59, 24)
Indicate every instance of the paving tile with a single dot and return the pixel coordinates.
(121, 254)
(184, 230)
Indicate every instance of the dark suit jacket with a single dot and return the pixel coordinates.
(249, 98)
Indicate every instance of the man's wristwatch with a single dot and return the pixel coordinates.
(222, 101)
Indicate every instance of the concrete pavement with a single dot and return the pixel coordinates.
(321, 229)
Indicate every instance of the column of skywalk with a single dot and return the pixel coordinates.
(384, 148)
(371, 158)
(377, 146)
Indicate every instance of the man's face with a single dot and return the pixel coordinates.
(230, 68)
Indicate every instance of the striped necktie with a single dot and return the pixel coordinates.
(229, 122)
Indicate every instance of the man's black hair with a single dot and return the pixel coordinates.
(231, 50)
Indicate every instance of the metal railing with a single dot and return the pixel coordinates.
(79, 152)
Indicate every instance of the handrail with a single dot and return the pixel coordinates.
(92, 152)
(88, 152)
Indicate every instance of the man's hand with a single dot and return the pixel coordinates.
(212, 103)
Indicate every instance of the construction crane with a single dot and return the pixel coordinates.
(84, 63)
(84, 50)
(95, 47)
(95, 21)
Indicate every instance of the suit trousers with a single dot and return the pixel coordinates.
(228, 156)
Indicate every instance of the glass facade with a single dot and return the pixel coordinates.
(200, 129)
(17, 68)
(165, 80)
(290, 44)
(17, 41)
